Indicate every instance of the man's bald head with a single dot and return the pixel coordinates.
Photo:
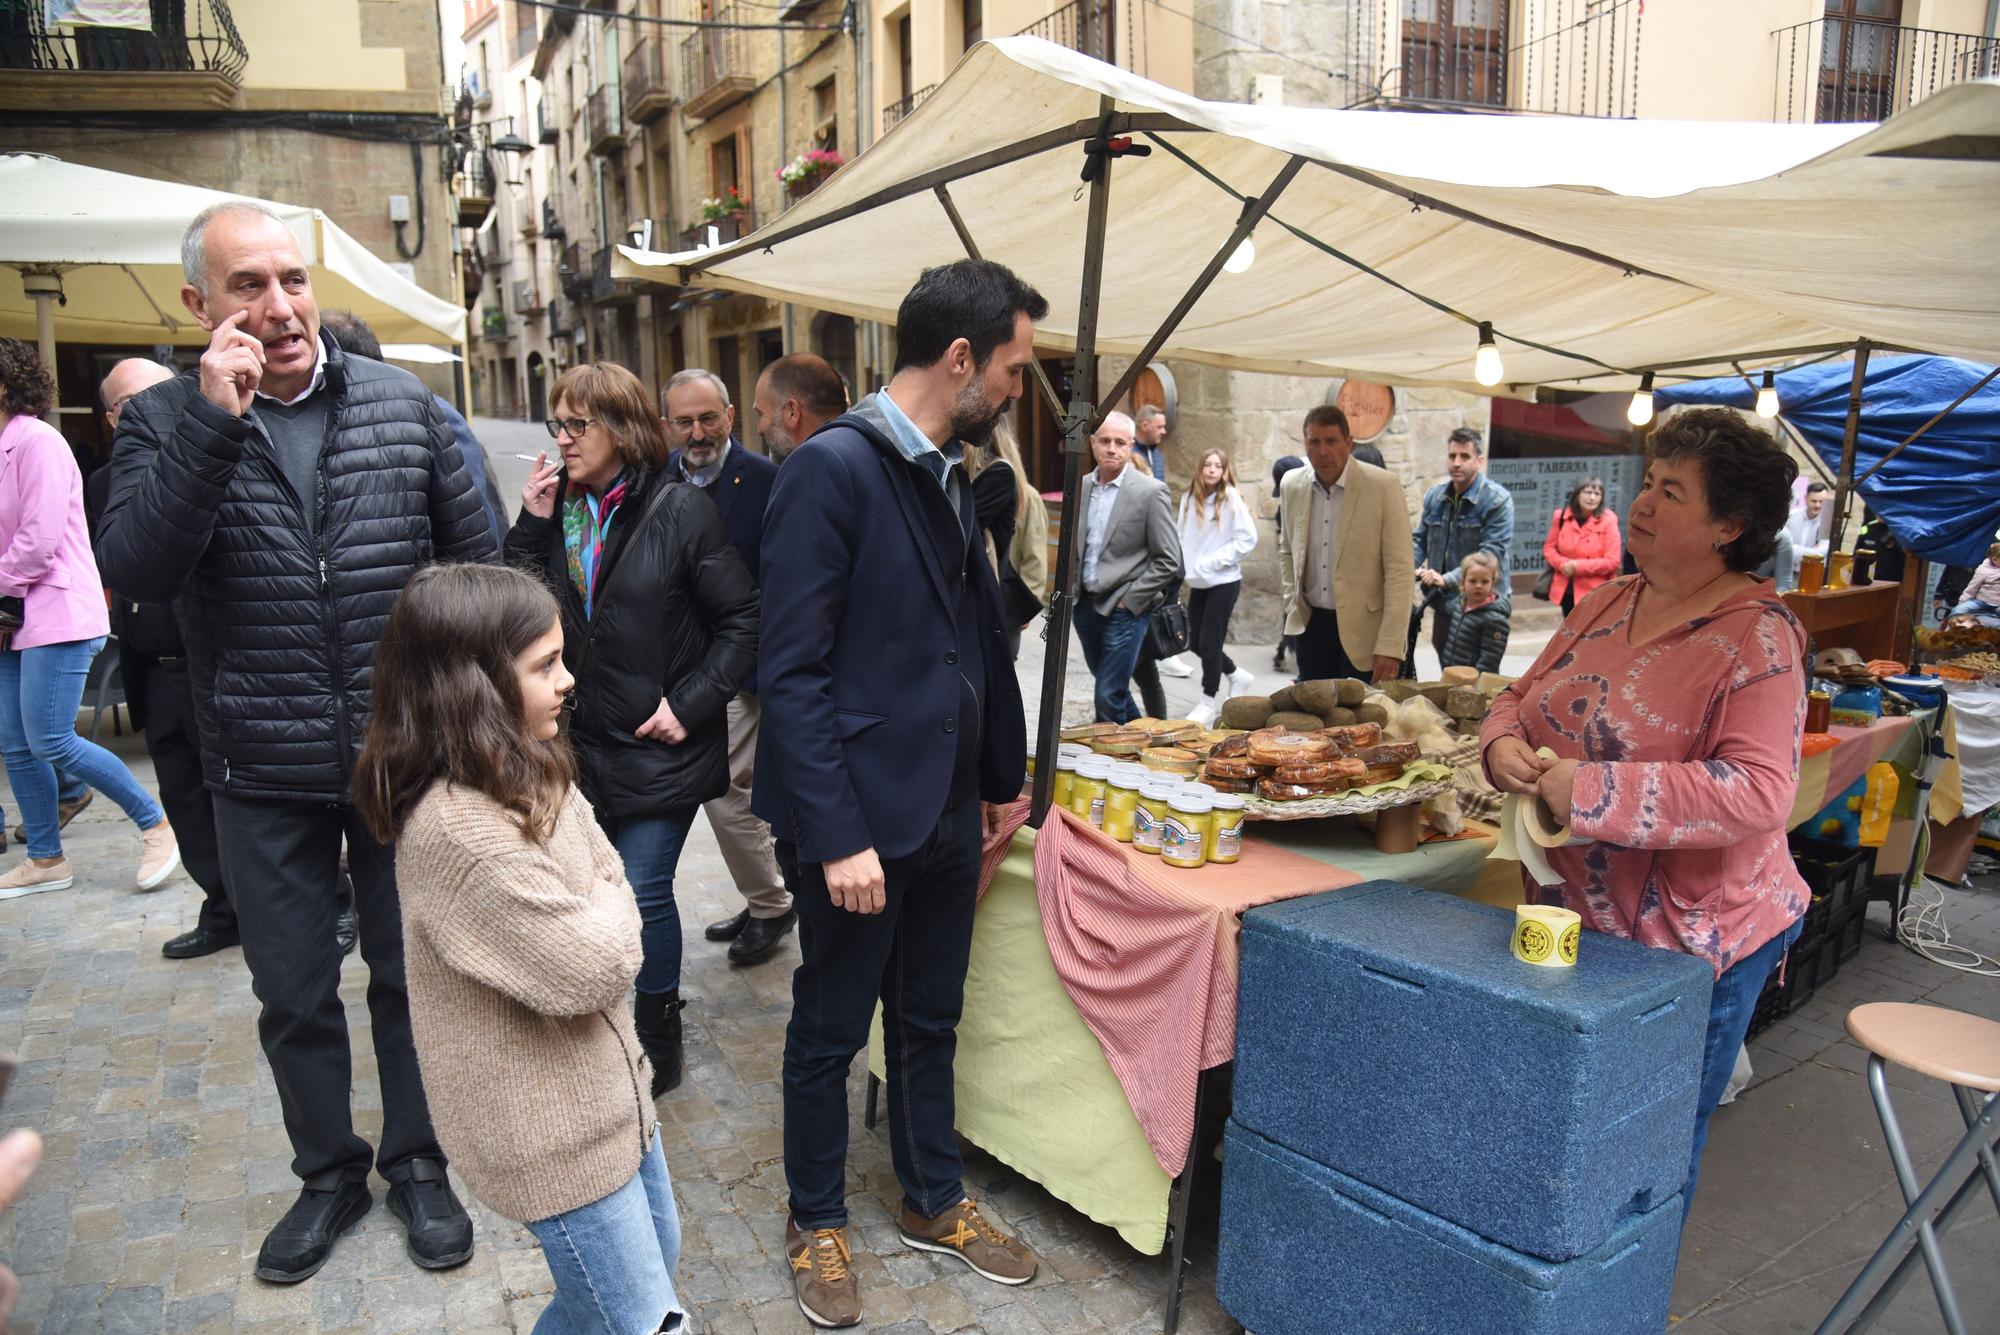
(129, 377)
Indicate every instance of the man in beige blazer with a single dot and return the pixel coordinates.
(1345, 565)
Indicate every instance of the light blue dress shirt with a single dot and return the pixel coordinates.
(1097, 524)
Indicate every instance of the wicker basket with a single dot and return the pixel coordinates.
(1345, 804)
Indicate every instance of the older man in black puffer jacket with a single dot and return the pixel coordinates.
(285, 493)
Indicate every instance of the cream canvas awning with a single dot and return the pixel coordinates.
(1627, 244)
(115, 241)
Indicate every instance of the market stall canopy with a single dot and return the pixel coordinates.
(1630, 244)
(116, 241)
(1940, 495)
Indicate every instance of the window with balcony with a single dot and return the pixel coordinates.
(189, 58)
(826, 116)
(1455, 51)
(716, 64)
(1089, 26)
(1859, 63)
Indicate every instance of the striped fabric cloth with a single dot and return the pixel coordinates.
(1148, 953)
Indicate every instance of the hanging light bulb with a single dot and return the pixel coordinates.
(1486, 368)
(1640, 411)
(1767, 396)
(1241, 258)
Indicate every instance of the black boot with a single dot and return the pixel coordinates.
(657, 1017)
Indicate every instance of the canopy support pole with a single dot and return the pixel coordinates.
(45, 286)
(1048, 389)
(1843, 486)
(1076, 425)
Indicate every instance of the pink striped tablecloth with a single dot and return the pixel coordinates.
(1148, 953)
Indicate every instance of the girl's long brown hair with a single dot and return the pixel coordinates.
(1208, 503)
(447, 701)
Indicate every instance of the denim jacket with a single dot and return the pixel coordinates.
(1452, 527)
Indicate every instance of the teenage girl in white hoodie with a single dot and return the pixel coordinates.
(1217, 532)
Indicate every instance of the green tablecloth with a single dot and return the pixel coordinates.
(1033, 1087)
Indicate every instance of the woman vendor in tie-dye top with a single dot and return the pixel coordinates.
(1673, 702)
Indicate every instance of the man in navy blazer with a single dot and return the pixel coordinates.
(700, 421)
(891, 712)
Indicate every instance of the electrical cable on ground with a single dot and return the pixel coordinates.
(1921, 927)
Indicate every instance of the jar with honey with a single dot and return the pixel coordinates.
(1121, 800)
(1225, 827)
(1149, 816)
(1184, 838)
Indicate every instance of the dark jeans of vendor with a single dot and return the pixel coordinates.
(1729, 1008)
(913, 956)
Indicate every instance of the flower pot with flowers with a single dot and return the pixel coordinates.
(728, 213)
(802, 175)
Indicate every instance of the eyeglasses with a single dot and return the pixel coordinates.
(576, 426)
(710, 422)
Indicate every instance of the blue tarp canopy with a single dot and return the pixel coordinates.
(1941, 496)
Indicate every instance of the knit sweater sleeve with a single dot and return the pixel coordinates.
(497, 907)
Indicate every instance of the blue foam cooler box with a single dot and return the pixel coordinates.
(1387, 1032)
(1305, 1250)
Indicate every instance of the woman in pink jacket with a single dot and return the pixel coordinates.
(1673, 701)
(53, 622)
(1582, 546)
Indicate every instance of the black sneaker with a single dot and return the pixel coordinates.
(328, 1205)
(440, 1230)
(726, 930)
(761, 936)
(199, 942)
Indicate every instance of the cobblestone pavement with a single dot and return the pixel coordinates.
(167, 1162)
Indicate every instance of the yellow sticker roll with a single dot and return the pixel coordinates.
(1545, 936)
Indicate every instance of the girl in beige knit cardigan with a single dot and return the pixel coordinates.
(521, 939)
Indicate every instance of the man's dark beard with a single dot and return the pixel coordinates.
(972, 421)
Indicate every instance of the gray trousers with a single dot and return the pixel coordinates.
(745, 840)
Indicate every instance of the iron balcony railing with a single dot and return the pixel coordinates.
(1089, 26)
(1556, 57)
(647, 93)
(902, 107)
(716, 64)
(1841, 70)
(552, 225)
(603, 126)
(188, 36)
(550, 129)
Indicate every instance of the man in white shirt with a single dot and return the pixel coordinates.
(1808, 526)
(1131, 558)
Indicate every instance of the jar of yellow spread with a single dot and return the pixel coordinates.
(1059, 791)
(1088, 789)
(1121, 800)
(1184, 838)
(1149, 817)
(1225, 827)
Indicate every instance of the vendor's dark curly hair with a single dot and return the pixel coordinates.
(25, 387)
(1747, 475)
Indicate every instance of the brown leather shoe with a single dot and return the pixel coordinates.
(967, 1234)
(823, 1275)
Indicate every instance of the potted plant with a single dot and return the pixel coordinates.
(730, 202)
(802, 175)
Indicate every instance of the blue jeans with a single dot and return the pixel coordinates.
(651, 849)
(1729, 1008)
(1111, 647)
(1973, 607)
(613, 1260)
(40, 689)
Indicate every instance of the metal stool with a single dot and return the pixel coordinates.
(1964, 1052)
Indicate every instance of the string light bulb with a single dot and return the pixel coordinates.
(1640, 411)
(1767, 396)
(1486, 367)
(1241, 258)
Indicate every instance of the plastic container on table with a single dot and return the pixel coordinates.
(1089, 788)
(1225, 829)
(1149, 817)
(1121, 800)
(1184, 840)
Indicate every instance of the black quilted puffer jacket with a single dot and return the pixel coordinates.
(282, 618)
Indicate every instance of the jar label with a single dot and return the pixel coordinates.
(1145, 828)
(1229, 841)
(1176, 835)
(1097, 812)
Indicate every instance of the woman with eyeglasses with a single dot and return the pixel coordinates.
(659, 627)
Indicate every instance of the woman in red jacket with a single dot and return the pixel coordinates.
(1582, 546)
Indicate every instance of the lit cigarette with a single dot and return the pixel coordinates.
(532, 458)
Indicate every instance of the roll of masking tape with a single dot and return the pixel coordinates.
(1527, 829)
(1546, 936)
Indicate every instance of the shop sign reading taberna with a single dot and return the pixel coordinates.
(1540, 485)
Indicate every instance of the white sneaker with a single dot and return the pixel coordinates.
(1177, 666)
(1242, 681)
(1205, 712)
(30, 879)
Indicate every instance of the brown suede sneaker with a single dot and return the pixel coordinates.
(823, 1275)
(967, 1234)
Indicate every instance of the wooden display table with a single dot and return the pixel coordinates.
(1861, 618)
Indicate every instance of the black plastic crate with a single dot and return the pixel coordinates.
(1835, 872)
(1801, 974)
(1846, 936)
(1770, 1006)
(1819, 915)
(1829, 960)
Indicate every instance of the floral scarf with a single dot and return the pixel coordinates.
(586, 522)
